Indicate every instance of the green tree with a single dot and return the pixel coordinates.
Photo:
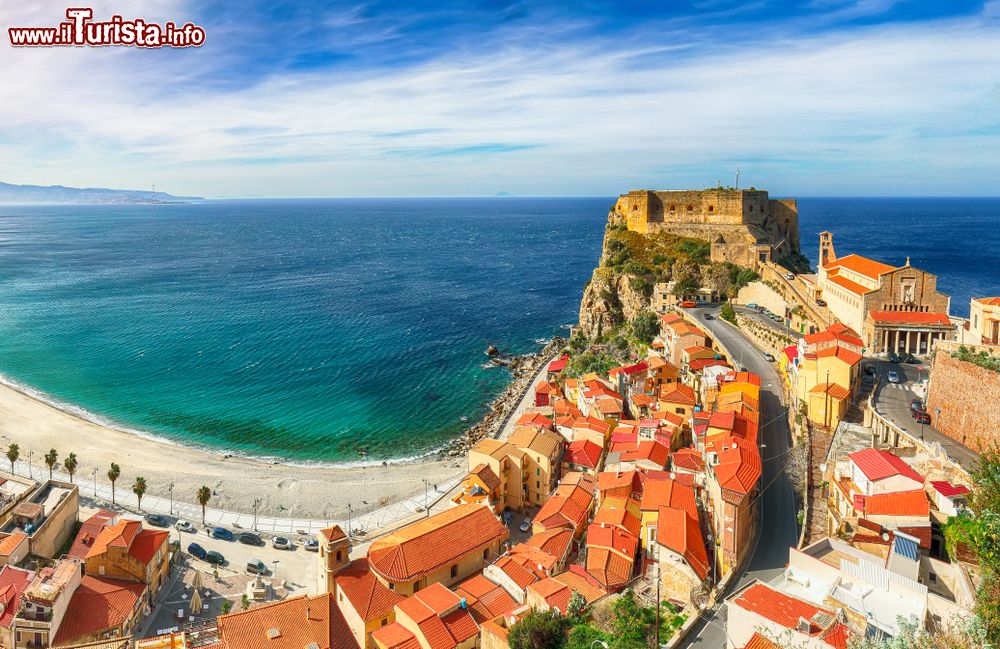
(537, 630)
(632, 623)
(583, 636)
(645, 327)
(204, 495)
(576, 606)
(226, 607)
(245, 602)
(70, 463)
(139, 489)
(113, 474)
(728, 313)
(50, 460)
(13, 452)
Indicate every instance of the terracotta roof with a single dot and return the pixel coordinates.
(791, 353)
(608, 406)
(629, 370)
(554, 542)
(367, 595)
(723, 420)
(396, 636)
(295, 623)
(539, 440)
(778, 607)
(678, 393)
(739, 465)
(13, 581)
(644, 449)
(615, 513)
(643, 399)
(583, 452)
(911, 317)
(486, 475)
(757, 641)
(534, 419)
(878, 464)
(10, 543)
(592, 423)
(585, 481)
(129, 535)
(333, 533)
(98, 604)
(835, 390)
(518, 570)
(607, 480)
(88, 533)
(485, 599)
(949, 490)
(497, 449)
(687, 458)
(610, 568)
(557, 590)
(670, 318)
(743, 377)
(861, 265)
(568, 506)
(658, 493)
(678, 531)
(899, 503)
(842, 353)
(848, 285)
(989, 301)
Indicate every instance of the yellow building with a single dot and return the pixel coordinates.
(543, 450)
(482, 487)
(827, 404)
(434, 618)
(365, 603)
(508, 463)
(984, 321)
(126, 551)
(825, 381)
(444, 548)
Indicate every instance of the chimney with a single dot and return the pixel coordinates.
(804, 626)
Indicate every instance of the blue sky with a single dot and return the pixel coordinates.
(819, 97)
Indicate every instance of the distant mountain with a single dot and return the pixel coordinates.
(503, 194)
(90, 195)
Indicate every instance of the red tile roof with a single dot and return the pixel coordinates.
(557, 590)
(485, 599)
(568, 506)
(660, 492)
(678, 531)
(615, 513)
(757, 641)
(610, 568)
(835, 390)
(583, 452)
(147, 544)
(701, 363)
(642, 450)
(428, 545)
(558, 365)
(125, 534)
(519, 571)
(615, 480)
(723, 420)
(848, 285)
(687, 458)
(949, 490)
(629, 370)
(396, 636)
(861, 265)
(13, 581)
(842, 353)
(333, 533)
(98, 604)
(791, 353)
(678, 393)
(534, 419)
(363, 590)
(900, 503)
(778, 607)
(878, 464)
(989, 301)
(739, 465)
(88, 533)
(554, 542)
(299, 621)
(911, 317)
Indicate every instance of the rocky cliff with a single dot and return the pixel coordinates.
(609, 300)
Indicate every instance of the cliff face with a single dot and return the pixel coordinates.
(610, 298)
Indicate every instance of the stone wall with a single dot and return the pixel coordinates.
(968, 397)
(768, 339)
(763, 295)
(908, 289)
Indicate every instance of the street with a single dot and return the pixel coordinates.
(778, 527)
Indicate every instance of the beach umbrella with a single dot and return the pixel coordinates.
(195, 602)
(196, 582)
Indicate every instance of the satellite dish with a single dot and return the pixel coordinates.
(885, 536)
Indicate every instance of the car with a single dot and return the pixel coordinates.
(768, 357)
(761, 309)
(893, 377)
(249, 538)
(894, 358)
(915, 413)
(215, 558)
(525, 525)
(820, 302)
(752, 305)
(910, 359)
(221, 533)
(157, 520)
(311, 545)
(708, 316)
(790, 276)
(870, 369)
(196, 550)
(256, 567)
(281, 543)
(688, 304)
(923, 418)
(777, 318)
(186, 526)
(916, 405)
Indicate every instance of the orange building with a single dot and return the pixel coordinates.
(124, 550)
(296, 623)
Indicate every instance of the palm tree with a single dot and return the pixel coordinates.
(70, 464)
(139, 489)
(50, 459)
(13, 452)
(204, 495)
(113, 474)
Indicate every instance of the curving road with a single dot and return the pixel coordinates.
(778, 527)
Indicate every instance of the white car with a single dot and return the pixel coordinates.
(281, 543)
(893, 377)
(525, 525)
(185, 526)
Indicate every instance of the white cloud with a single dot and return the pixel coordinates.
(882, 110)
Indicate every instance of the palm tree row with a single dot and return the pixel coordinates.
(139, 487)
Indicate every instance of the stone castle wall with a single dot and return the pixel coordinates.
(968, 397)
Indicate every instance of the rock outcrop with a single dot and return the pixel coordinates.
(609, 300)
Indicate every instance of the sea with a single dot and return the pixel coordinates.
(349, 331)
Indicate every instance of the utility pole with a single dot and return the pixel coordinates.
(95, 482)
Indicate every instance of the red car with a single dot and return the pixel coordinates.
(923, 418)
(688, 304)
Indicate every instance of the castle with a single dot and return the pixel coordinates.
(744, 226)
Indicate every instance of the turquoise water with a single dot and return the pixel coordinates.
(312, 330)
(306, 330)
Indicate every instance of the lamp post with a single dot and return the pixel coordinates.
(95, 481)
(170, 488)
(30, 453)
(348, 520)
(274, 572)
(256, 504)
(427, 508)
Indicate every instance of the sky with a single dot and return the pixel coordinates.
(302, 98)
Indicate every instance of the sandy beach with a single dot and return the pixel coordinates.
(288, 491)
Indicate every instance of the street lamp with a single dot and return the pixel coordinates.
(95, 481)
(256, 504)
(274, 572)
(170, 488)
(30, 453)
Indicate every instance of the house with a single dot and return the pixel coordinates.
(482, 487)
(508, 463)
(678, 399)
(680, 551)
(446, 547)
(949, 498)
(568, 507)
(759, 608)
(556, 543)
(731, 482)
(534, 419)
(582, 455)
(642, 454)
(596, 430)
(662, 492)
(47, 516)
(826, 372)
(544, 391)
(689, 461)
(485, 599)
(434, 617)
(102, 608)
(660, 373)
(45, 603)
(556, 367)
(365, 602)
(542, 450)
(611, 556)
(13, 582)
(677, 336)
(124, 550)
(625, 484)
(554, 592)
(13, 549)
(304, 622)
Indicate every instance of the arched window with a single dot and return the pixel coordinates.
(454, 571)
(339, 555)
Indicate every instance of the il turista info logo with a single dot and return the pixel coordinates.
(81, 30)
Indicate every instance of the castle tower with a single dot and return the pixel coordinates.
(334, 555)
(827, 254)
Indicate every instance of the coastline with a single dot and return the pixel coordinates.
(284, 488)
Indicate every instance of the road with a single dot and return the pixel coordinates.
(778, 527)
(768, 322)
(893, 402)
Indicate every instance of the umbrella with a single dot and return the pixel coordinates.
(196, 582)
(195, 602)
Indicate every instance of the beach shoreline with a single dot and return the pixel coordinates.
(281, 487)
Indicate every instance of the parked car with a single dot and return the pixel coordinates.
(196, 550)
(708, 316)
(790, 276)
(157, 520)
(256, 567)
(689, 304)
(916, 412)
(893, 377)
(525, 525)
(752, 306)
(215, 558)
(916, 405)
(186, 526)
(911, 359)
(923, 418)
(311, 545)
(820, 302)
(249, 538)
(894, 358)
(221, 533)
(768, 357)
(281, 543)
(869, 369)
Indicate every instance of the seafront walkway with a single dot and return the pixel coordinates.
(371, 522)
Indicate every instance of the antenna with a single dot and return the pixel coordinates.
(737, 177)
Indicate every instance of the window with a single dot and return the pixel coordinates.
(538, 471)
(392, 586)
(454, 571)
(690, 208)
(339, 554)
(932, 577)
(486, 554)
(384, 621)
(679, 411)
(538, 484)
(711, 208)
(673, 208)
